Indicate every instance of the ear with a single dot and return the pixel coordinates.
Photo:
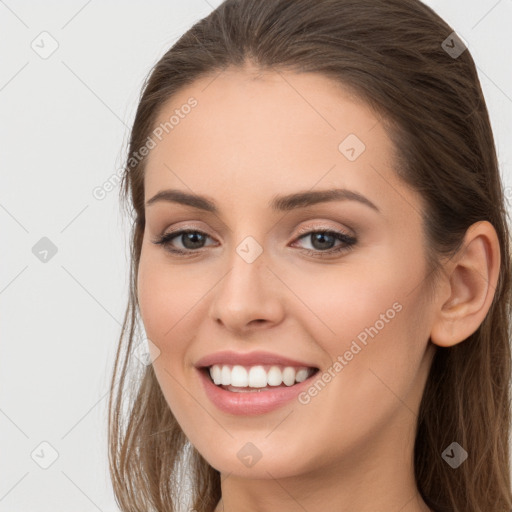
(469, 284)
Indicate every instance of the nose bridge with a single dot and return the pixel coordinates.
(247, 292)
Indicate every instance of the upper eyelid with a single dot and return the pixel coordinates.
(301, 232)
(304, 225)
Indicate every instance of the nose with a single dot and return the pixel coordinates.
(248, 297)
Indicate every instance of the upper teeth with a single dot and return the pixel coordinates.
(258, 376)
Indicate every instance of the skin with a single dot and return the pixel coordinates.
(252, 136)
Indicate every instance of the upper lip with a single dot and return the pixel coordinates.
(249, 359)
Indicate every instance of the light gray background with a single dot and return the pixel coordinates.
(64, 130)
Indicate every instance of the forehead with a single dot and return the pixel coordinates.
(264, 132)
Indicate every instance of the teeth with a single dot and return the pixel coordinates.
(258, 376)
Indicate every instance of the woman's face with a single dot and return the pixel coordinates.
(259, 276)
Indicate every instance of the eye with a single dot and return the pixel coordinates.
(322, 240)
(190, 238)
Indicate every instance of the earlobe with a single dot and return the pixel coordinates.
(470, 283)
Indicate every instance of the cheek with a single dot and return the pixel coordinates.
(376, 298)
(347, 302)
(375, 360)
(166, 296)
(374, 324)
(168, 300)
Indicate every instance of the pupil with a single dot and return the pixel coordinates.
(321, 237)
(191, 237)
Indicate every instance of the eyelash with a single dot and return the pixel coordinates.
(348, 241)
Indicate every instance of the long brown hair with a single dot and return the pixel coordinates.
(393, 55)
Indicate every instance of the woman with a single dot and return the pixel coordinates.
(320, 261)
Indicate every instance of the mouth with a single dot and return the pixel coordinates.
(256, 378)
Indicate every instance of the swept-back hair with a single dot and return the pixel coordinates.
(390, 53)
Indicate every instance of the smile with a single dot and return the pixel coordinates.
(238, 378)
(239, 397)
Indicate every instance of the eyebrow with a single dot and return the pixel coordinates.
(278, 203)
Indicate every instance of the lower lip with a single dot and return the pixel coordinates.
(251, 402)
